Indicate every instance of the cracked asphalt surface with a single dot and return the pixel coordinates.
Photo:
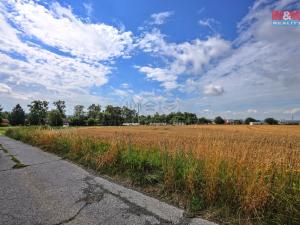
(53, 191)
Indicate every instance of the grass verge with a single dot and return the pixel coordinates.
(3, 130)
(3, 149)
(18, 164)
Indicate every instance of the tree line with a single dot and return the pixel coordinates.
(39, 114)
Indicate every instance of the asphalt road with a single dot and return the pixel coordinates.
(50, 190)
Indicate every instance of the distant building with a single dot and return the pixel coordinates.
(289, 122)
(66, 124)
(179, 123)
(233, 122)
(131, 124)
(158, 124)
(256, 123)
(4, 123)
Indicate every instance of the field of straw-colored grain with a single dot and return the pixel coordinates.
(259, 146)
(242, 174)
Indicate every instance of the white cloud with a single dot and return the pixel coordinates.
(292, 111)
(151, 102)
(214, 90)
(146, 102)
(261, 71)
(159, 18)
(88, 8)
(6, 92)
(210, 23)
(164, 76)
(125, 85)
(252, 111)
(33, 71)
(60, 28)
(4, 88)
(190, 86)
(181, 58)
(120, 93)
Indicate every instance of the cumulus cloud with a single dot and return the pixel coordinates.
(6, 92)
(4, 88)
(214, 90)
(164, 76)
(181, 58)
(261, 70)
(264, 53)
(159, 18)
(87, 41)
(82, 58)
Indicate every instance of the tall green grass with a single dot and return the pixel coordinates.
(231, 195)
(3, 130)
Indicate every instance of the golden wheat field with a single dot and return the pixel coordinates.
(238, 174)
(261, 145)
(252, 154)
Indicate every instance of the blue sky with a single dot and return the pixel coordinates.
(207, 57)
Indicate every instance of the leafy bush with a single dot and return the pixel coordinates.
(55, 118)
(219, 120)
(92, 122)
(271, 121)
(17, 116)
(77, 121)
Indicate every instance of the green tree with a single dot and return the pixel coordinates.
(177, 118)
(169, 117)
(219, 120)
(94, 111)
(113, 116)
(61, 107)
(75, 121)
(17, 116)
(249, 120)
(190, 118)
(55, 118)
(143, 120)
(157, 118)
(91, 122)
(79, 118)
(79, 111)
(129, 115)
(203, 120)
(38, 112)
(1, 113)
(5, 115)
(271, 121)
